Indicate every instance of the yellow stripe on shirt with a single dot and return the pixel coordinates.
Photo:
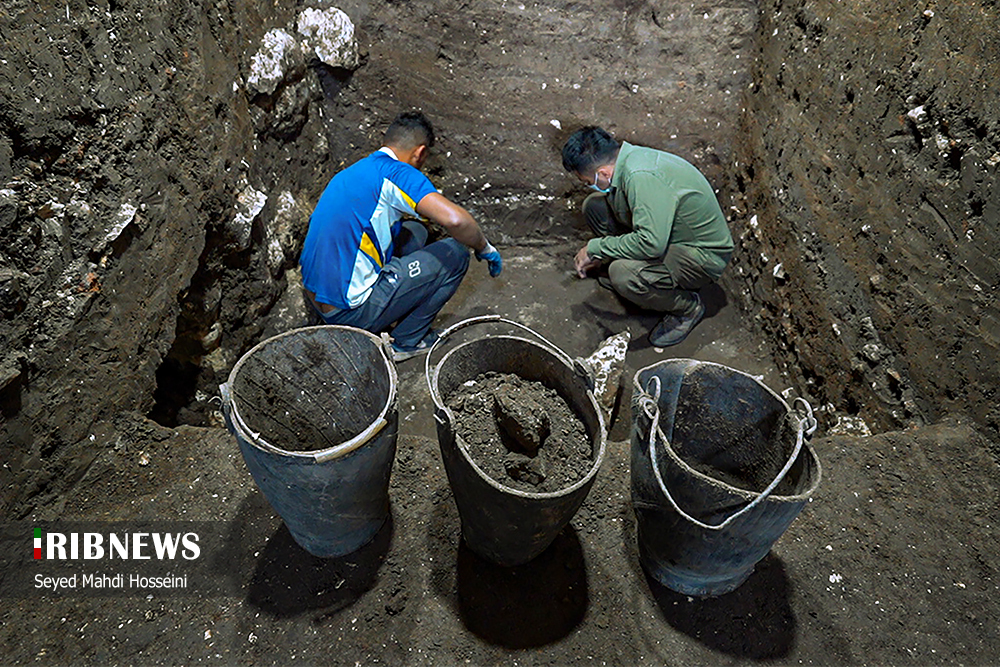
(369, 249)
(407, 198)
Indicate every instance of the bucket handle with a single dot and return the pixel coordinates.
(227, 400)
(234, 423)
(482, 319)
(807, 427)
(349, 446)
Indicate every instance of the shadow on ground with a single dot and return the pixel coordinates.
(289, 580)
(755, 621)
(529, 605)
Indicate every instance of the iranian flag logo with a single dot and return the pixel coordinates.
(38, 543)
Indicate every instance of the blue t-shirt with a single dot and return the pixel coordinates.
(351, 231)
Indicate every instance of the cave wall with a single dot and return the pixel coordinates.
(149, 202)
(869, 166)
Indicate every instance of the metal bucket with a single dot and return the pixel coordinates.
(506, 525)
(314, 412)
(720, 468)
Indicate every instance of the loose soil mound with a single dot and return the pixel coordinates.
(521, 433)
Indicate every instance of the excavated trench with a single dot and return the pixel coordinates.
(158, 164)
(157, 184)
(840, 175)
(843, 163)
(505, 85)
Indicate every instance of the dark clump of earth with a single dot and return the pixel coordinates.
(521, 433)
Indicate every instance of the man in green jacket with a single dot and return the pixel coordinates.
(659, 228)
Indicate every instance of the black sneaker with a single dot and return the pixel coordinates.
(672, 329)
(605, 282)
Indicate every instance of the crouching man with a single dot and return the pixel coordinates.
(362, 266)
(659, 228)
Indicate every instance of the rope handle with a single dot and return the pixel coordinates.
(483, 319)
(807, 426)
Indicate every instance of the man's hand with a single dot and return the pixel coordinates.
(583, 262)
(492, 257)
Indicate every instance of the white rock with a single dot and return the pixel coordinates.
(249, 204)
(78, 208)
(211, 340)
(278, 53)
(275, 256)
(917, 114)
(849, 425)
(124, 217)
(329, 35)
(606, 365)
(871, 352)
(286, 202)
(288, 227)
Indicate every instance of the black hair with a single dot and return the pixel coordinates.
(409, 130)
(588, 148)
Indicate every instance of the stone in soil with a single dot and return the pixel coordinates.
(523, 423)
(521, 433)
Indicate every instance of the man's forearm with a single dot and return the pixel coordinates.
(458, 222)
(468, 233)
(634, 245)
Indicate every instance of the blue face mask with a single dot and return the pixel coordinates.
(597, 188)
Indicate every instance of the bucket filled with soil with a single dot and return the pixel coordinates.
(521, 436)
(721, 466)
(314, 411)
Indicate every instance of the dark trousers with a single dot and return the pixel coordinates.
(411, 288)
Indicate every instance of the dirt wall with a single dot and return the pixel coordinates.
(507, 82)
(129, 146)
(869, 163)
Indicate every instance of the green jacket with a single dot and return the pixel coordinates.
(663, 199)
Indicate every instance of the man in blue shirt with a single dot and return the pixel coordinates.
(363, 266)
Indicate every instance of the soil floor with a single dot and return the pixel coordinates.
(892, 562)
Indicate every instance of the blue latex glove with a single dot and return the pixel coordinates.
(492, 257)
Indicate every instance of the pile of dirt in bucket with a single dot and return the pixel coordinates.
(521, 433)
